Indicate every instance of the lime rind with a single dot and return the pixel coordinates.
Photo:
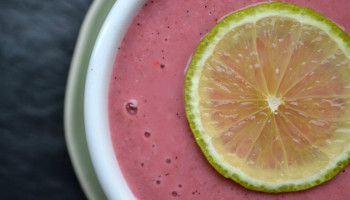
(205, 48)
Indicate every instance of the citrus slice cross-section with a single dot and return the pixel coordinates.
(268, 97)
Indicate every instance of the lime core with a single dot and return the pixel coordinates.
(274, 103)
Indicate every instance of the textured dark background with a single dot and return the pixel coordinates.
(37, 40)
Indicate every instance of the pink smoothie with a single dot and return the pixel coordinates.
(154, 146)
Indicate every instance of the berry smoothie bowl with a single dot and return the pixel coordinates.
(138, 134)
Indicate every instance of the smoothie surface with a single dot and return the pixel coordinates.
(154, 145)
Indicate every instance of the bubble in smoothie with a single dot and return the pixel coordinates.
(131, 107)
(195, 192)
(174, 194)
(147, 134)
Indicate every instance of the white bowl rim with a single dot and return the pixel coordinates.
(96, 98)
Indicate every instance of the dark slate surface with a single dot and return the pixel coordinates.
(37, 40)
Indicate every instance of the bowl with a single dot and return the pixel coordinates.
(96, 99)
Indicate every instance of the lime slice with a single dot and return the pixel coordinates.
(268, 97)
